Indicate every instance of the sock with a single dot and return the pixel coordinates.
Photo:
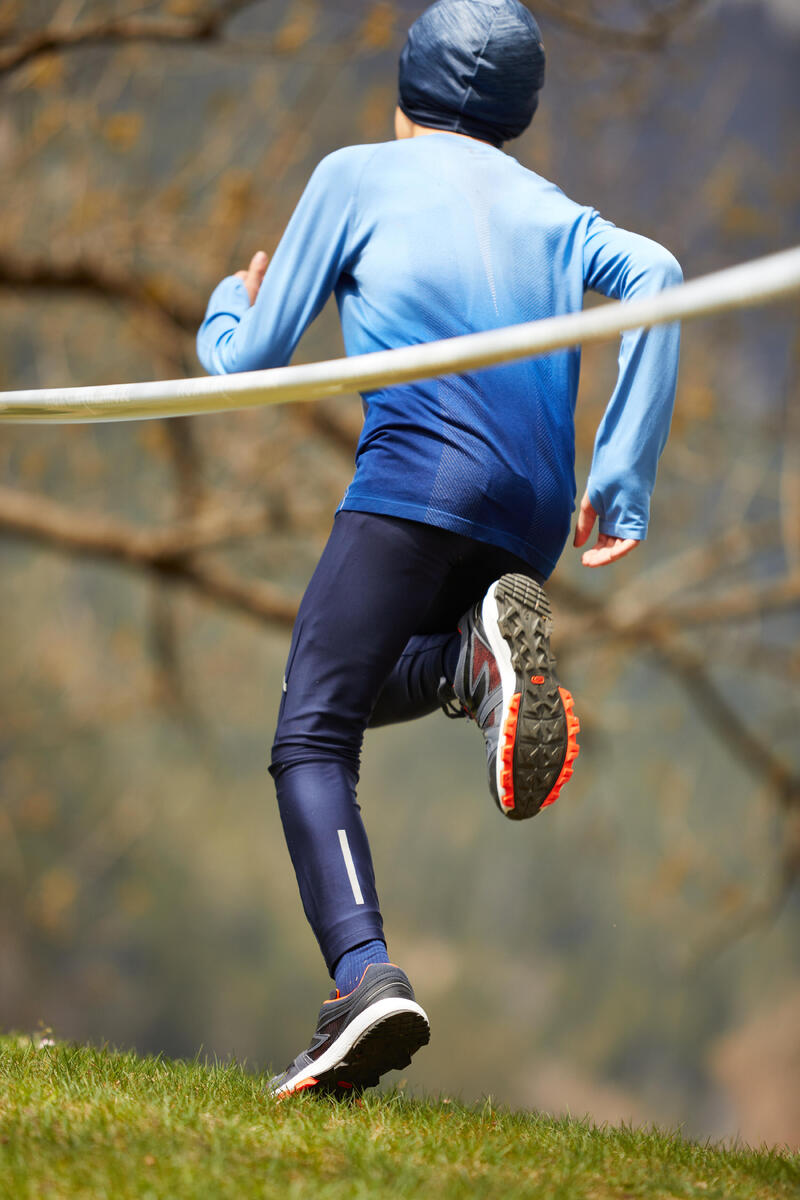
(351, 966)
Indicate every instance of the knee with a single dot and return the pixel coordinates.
(319, 752)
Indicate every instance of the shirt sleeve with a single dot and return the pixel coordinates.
(636, 422)
(311, 255)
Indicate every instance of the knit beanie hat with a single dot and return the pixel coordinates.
(473, 67)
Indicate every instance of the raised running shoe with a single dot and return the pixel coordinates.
(359, 1037)
(506, 681)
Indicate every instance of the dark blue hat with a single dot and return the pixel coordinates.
(474, 67)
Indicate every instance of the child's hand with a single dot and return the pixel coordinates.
(606, 549)
(253, 276)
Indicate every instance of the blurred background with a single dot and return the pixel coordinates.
(633, 952)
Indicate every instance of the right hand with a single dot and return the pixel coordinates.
(607, 549)
(253, 277)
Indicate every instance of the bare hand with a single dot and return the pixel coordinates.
(254, 275)
(606, 549)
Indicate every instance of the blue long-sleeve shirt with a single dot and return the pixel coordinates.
(435, 236)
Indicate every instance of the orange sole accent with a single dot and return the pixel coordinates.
(507, 757)
(573, 728)
(301, 1087)
(537, 678)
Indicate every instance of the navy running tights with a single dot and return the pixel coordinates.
(375, 634)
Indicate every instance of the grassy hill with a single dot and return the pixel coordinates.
(78, 1122)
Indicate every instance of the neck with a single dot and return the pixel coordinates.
(406, 128)
(421, 130)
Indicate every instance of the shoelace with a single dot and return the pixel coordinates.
(450, 705)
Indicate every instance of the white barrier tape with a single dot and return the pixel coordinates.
(759, 282)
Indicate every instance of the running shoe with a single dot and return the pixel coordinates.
(359, 1037)
(506, 681)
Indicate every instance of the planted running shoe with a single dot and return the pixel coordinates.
(359, 1037)
(506, 681)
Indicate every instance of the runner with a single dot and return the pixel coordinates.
(429, 591)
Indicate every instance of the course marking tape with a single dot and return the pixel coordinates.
(762, 281)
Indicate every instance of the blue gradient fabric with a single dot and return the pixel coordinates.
(440, 235)
(474, 67)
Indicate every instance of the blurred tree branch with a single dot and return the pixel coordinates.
(166, 553)
(208, 26)
(691, 669)
(99, 279)
(654, 33)
(42, 519)
(694, 565)
(739, 603)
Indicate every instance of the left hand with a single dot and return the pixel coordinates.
(253, 277)
(606, 549)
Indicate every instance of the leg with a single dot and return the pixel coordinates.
(412, 690)
(353, 654)
(375, 583)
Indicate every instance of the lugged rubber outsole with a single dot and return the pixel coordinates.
(386, 1044)
(538, 745)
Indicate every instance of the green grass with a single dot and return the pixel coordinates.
(78, 1122)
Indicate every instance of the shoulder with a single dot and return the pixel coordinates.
(646, 254)
(546, 192)
(337, 178)
(347, 162)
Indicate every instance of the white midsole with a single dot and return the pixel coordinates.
(344, 1043)
(508, 677)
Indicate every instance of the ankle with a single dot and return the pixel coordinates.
(353, 963)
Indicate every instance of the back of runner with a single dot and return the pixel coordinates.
(429, 592)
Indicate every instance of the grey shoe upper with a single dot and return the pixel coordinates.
(477, 683)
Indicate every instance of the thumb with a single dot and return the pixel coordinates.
(255, 273)
(585, 523)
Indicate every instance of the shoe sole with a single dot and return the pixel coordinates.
(381, 1038)
(538, 733)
